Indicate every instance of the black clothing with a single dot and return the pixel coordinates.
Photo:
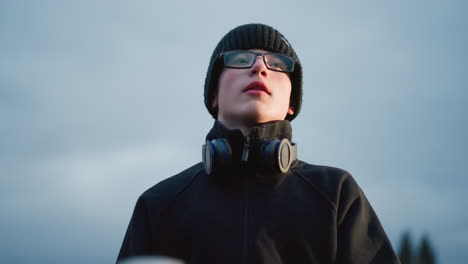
(311, 214)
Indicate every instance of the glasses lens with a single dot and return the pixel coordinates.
(239, 59)
(278, 62)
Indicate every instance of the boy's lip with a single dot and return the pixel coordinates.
(257, 85)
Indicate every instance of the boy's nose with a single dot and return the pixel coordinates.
(259, 67)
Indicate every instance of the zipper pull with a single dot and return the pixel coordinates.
(245, 152)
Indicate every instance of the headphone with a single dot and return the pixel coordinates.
(274, 155)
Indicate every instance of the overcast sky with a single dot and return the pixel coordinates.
(100, 100)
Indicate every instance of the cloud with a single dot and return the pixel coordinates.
(82, 199)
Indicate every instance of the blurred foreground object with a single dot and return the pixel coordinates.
(150, 260)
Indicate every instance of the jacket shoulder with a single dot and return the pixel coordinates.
(168, 189)
(329, 181)
(145, 224)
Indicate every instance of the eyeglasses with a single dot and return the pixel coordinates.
(244, 59)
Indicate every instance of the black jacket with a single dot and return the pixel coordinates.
(311, 214)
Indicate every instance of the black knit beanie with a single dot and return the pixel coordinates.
(253, 36)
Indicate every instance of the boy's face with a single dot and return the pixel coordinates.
(252, 96)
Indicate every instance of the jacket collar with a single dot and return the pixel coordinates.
(276, 129)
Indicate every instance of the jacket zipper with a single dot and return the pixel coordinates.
(245, 152)
(244, 159)
(245, 224)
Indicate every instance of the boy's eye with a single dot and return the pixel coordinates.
(241, 60)
(238, 59)
(275, 63)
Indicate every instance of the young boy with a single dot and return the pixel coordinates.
(251, 200)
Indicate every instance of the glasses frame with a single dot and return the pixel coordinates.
(262, 54)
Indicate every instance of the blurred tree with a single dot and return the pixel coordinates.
(426, 253)
(406, 250)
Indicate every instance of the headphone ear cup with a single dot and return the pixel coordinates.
(217, 156)
(286, 155)
(277, 155)
(267, 154)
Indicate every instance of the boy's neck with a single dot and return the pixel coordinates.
(245, 129)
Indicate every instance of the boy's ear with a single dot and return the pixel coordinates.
(214, 104)
(291, 110)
